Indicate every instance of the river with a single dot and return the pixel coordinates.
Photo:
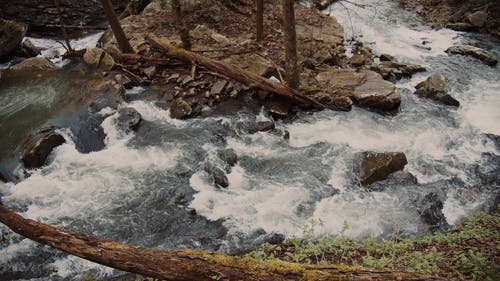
(142, 188)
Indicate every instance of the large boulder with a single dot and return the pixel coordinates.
(128, 119)
(478, 53)
(98, 58)
(11, 36)
(37, 64)
(434, 88)
(374, 166)
(367, 88)
(37, 148)
(376, 93)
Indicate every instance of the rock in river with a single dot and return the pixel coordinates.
(37, 64)
(475, 52)
(37, 148)
(435, 88)
(374, 166)
(128, 119)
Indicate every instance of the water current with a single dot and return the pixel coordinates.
(142, 187)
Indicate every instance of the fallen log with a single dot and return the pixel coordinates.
(187, 264)
(248, 78)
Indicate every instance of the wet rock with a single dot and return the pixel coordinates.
(28, 50)
(217, 175)
(280, 133)
(386, 57)
(279, 107)
(434, 88)
(124, 81)
(11, 35)
(461, 26)
(399, 178)
(478, 53)
(2, 179)
(98, 58)
(37, 148)
(494, 138)
(38, 64)
(228, 156)
(478, 19)
(376, 93)
(180, 109)
(128, 119)
(374, 166)
(357, 60)
(431, 211)
(261, 126)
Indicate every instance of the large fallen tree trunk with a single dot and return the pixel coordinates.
(186, 264)
(248, 78)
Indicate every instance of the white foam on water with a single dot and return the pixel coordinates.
(248, 206)
(24, 247)
(365, 214)
(67, 267)
(461, 203)
(394, 37)
(481, 107)
(149, 111)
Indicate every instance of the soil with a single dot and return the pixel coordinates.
(453, 13)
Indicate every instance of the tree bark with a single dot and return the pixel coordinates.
(116, 27)
(248, 78)
(181, 25)
(260, 20)
(186, 265)
(291, 65)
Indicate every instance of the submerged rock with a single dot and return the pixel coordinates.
(431, 211)
(217, 175)
(128, 119)
(36, 149)
(11, 36)
(229, 156)
(434, 87)
(374, 166)
(260, 126)
(478, 53)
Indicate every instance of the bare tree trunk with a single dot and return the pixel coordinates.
(181, 25)
(260, 20)
(121, 39)
(188, 265)
(291, 65)
(248, 78)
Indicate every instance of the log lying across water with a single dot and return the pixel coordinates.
(236, 73)
(187, 264)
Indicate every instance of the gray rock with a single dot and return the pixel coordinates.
(475, 52)
(37, 148)
(435, 88)
(128, 119)
(180, 109)
(478, 18)
(374, 166)
(228, 156)
(11, 36)
(38, 64)
(98, 58)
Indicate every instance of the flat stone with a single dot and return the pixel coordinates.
(478, 53)
(218, 87)
(342, 78)
(376, 93)
(37, 64)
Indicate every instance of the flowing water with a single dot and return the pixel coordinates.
(142, 187)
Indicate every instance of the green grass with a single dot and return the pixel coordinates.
(471, 251)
